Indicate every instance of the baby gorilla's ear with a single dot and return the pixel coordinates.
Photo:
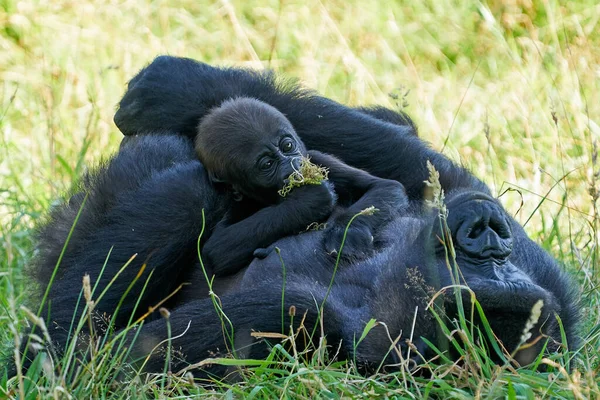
(237, 194)
(214, 178)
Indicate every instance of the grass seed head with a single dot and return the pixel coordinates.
(434, 194)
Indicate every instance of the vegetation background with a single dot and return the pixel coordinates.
(508, 88)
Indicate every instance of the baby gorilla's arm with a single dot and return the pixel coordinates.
(357, 191)
(231, 246)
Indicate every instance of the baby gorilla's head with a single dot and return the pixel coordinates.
(249, 145)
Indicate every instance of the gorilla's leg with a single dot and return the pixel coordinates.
(145, 204)
(173, 94)
(199, 332)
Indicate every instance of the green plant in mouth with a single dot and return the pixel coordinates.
(307, 174)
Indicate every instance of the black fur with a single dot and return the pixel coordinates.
(356, 138)
(148, 200)
(242, 143)
(393, 117)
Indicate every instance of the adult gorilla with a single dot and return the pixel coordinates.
(148, 201)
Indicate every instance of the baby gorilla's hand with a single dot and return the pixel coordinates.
(357, 244)
(315, 202)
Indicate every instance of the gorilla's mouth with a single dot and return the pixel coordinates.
(512, 312)
(515, 296)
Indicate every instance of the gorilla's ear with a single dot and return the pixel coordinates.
(214, 178)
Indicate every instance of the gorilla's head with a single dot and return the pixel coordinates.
(479, 245)
(249, 145)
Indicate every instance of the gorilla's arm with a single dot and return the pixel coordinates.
(172, 94)
(391, 116)
(358, 190)
(231, 245)
(146, 202)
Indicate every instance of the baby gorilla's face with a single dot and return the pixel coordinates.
(251, 146)
(276, 158)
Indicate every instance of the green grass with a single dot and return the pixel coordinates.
(511, 89)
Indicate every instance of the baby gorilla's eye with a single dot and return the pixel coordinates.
(266, 164)
(287, 145)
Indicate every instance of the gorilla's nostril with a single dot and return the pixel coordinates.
(500, 226)
(477, 229)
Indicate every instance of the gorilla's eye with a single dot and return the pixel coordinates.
(266, 164)
(287, 145)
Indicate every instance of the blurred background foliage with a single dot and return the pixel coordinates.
(508, 88)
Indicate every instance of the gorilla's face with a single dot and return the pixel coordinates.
(251, 146)
(483, 240)
(275, 156)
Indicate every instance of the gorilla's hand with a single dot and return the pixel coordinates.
(358, 192)
(312, 203)
(358, 242)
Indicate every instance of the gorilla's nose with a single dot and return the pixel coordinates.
(481, 229)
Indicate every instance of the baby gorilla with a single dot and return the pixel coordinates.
(250, 149)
